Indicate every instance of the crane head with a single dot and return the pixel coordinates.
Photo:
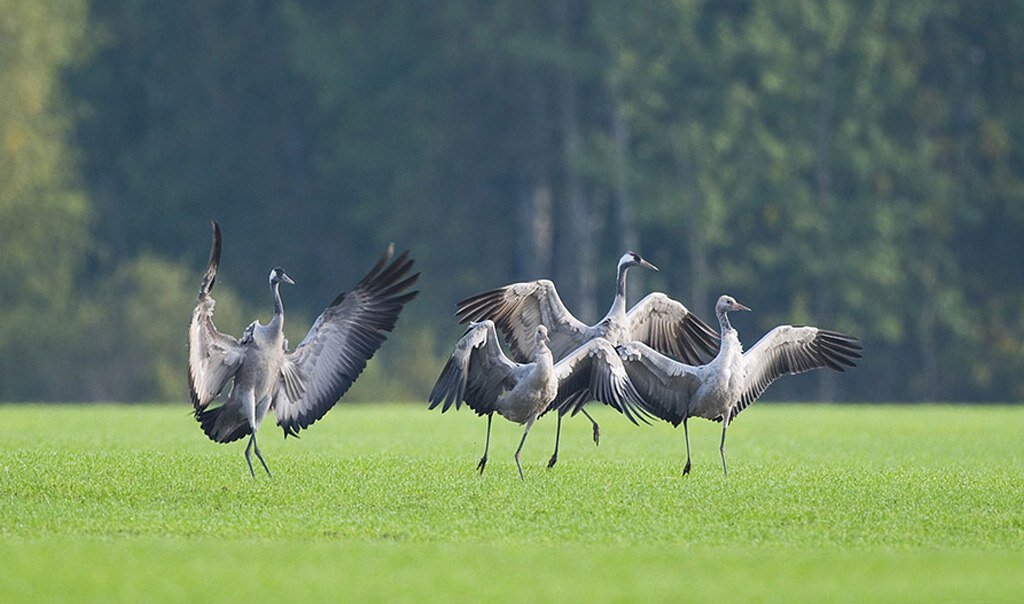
(277, 275)
(542, 335)
(727, 303)
(634, 259)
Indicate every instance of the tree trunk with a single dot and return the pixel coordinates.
(579, 276)
(537, 233)
(628, 239)
(536, 214)
(700, 300)
(696, 234)
(827, 388)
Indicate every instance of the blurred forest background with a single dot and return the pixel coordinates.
(855, 165)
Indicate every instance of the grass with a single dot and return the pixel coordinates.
(382, 503)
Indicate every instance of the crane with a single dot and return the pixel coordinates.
(734, 379)
(657, 320)
(300, 385)
(481, 375)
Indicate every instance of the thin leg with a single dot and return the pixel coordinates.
(597, 429)
(721, 447)
(259, 455)
(487, 445)
(248, 458)
(249, 409)
(686, 436)
(529, 424)
(558, 435)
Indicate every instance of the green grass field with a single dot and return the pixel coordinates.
(382, 503)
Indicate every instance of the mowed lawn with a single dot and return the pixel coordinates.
(383, 503)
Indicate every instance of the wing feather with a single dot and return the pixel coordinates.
(594, 371)
(518, 309)
(224, 423)
(666, 385)
(341, 341)
(213, 357)
(788, 350)
(670, 328)
(477, 373)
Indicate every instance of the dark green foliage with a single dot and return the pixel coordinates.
(44, 215)
(850, 165)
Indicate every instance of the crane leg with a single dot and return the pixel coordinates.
(487, 445)
(529, 424)
(259, 455)
(249, 409)
(686, 436)
(248, 458)
(558, 434)
(597, 429)
(248, 455)
(721, 447)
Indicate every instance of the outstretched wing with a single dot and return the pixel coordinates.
(788, 350)
(478, 372)
(213, 357)
(595, 372)
(666, 385)
(343, 338)
(518, 309)
(670, 328)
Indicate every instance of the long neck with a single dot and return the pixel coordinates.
(723, 322)
(542, 356)
(278, 319)
(619, 304)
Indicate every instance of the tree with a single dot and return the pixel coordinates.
(44, 217)
(854, 165)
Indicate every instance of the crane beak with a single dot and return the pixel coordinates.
(740, 307)
(644, 263)
(285, 278)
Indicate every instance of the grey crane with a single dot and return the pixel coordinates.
(657, 320)
(734, 379)
(299, 385)
(479, 373)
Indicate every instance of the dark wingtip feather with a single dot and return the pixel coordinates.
(837, 350)
(384, 258)
(404, 298)
(479, 306)
(211, 265)
(386, 280)
(703, 336)
(476, 298)
(401, 285)
(840, 339)
(192, 392)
